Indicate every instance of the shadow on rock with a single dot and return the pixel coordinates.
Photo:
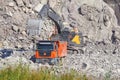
(33, 59)
(5, 53)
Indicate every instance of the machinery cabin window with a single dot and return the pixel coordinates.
(45, 46)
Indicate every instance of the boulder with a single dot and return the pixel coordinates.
(24, 33)
(84, 65)
(38, 7)
(27, 3)
(43, 1)
(19, 2)
(11, 4)
(15, 28)
(9, 13)
(5, 43)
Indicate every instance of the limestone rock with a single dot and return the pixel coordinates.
(15, 28)
(27, 3)
(43, 2)
(5, 43)
(24, 33)
(9, 14)
(19, 2)
(115, 5)
(11, 4)
(19, 46)
(38, 7)
(1, 44)
(18, 18)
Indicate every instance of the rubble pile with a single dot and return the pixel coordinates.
(98, 21)
(97, 60)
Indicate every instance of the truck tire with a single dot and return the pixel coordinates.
(37, 60)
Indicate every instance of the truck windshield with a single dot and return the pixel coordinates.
(44, 46)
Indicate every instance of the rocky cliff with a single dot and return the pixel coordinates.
(115, 5)
(95, 19)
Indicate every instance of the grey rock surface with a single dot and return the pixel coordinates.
(96, 19)
(115, 4)
(19, 2)
(94, 22)
(98, 59)
(38, 7)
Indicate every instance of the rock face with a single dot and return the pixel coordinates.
(98, 21)
(115, 4)
(95, 21)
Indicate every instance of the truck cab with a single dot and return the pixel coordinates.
(47, 51)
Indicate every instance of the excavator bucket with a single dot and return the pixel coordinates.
(34, 26)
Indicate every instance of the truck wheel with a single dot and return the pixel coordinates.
(54, 61)
(80, 51)
(75, 52)
(37, 60)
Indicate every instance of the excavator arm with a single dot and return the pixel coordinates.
(46, 12)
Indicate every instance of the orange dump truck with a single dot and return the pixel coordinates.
(50, 51)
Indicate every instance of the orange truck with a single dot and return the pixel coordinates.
(50, 51)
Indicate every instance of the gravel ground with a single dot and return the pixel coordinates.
(97, 62)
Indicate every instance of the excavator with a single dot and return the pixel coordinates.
(60, 42)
